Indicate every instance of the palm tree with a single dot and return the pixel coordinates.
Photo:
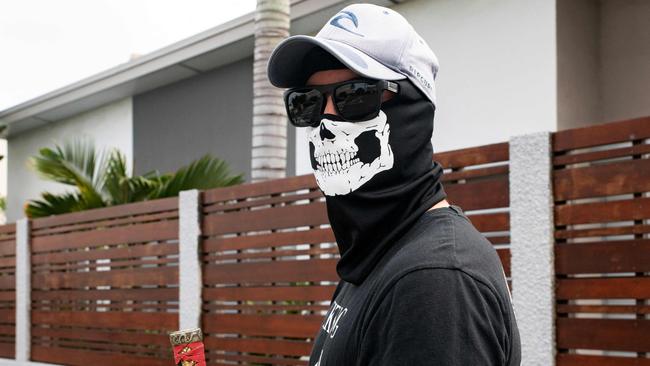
(101, 178)
(269, 151)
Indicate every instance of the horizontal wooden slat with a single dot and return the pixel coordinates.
(258, 345)
(605, 231)
(258, 360)
(478, 195)
(603, 257)
(475, 173)
(8, 247)
(604, 134)
(81, 357)
(270, 218)
(269, 293)
(285, 199)
(7, 229)
(7, 295)
(113, 336)
(7, 350)
(473, 156)
(275, 271)
(160, 276)
(286, 254)
(133, 251)
(565, 359)
(129, 220)
(263, 325)
(499, 221)
(311, 236)
(604, 334)
(601, 155)
(122, 320)
(603, 288)
(137, 294)
(129, 209)
(8, 315)
(263, 188)
(603, 309)
(602, 180)
(610, 211)
(164, 230)
(7, 282)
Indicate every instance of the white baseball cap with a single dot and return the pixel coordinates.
(374, 41)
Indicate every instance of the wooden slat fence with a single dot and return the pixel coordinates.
(269, 271)
(601, 182)
(7, 290)
(105, 285)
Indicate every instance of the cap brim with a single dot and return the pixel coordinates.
(286, 62)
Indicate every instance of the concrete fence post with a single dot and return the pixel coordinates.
(532, 259)
(190, 278)
(23, 291)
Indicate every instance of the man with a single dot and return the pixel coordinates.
(419, 284)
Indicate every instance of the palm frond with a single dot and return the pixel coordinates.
(54, 204)
(204, 173)
(78, 164)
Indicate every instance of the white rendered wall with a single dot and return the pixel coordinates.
(109, 126)
(497, 73)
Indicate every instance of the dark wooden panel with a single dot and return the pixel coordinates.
(7, 282)
(610, 211)
(603, 288)
(311, 236)
(606, 231)
(259, 345)
(8, 247)
(263, 325)
(270, 218)
(565, 359)
(604, 334)
(491, 222)
(163, 230)
(269, 187)
(276, 271)
(8, 315)
(475, 173)
(118, 278)
(129, 209)
(114, 294)
(504, 255)
(603, 309)
(8, 229)
(473, 156)
(602, 180)
(264, 201)
(603, 257)
(270, 293)
(477, 195)
(628, 130)
(112, 336)
(122, 320)
(601, 155)
(103, 224)
(136, 251)
(7, 350)
(82, 357)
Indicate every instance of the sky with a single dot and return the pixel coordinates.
(49, 44)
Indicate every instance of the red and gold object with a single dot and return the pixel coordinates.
(188, 347)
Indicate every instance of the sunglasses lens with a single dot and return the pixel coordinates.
(304, 106)
(357, 101)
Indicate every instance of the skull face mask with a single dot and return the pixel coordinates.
(378, 177)
(345, 155)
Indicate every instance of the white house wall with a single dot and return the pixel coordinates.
(497, 73)
(109, 126)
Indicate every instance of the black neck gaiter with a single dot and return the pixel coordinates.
(378, 177)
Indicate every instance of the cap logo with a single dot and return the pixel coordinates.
(346, 15)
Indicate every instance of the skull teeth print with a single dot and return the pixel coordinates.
(345, 155)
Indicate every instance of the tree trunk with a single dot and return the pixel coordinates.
(269, 151)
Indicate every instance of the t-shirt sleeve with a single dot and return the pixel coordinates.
(436, 316)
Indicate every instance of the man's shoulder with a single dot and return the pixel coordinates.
(444, 240)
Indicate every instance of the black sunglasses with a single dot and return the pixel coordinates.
(354, 100)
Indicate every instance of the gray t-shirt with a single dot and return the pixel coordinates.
(438, 297)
